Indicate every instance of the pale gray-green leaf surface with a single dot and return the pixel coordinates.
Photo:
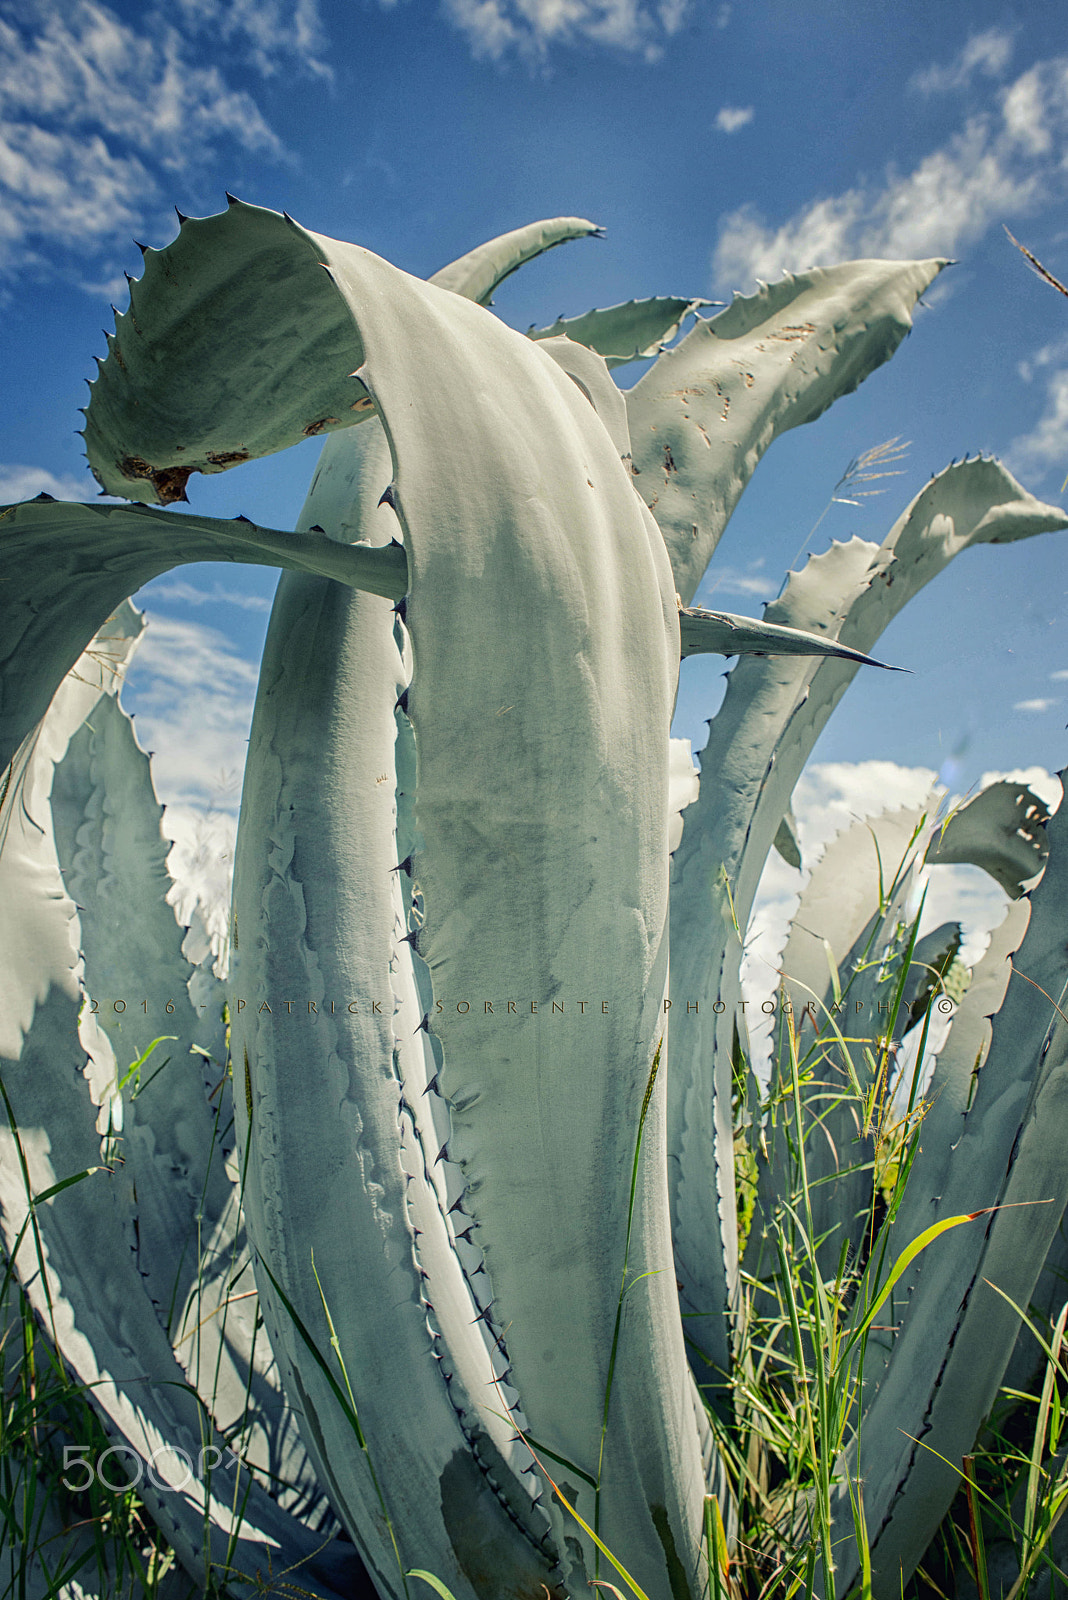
(629, 332)
(705, 412)
(69, 566)
(758, 744)
(60, 1073)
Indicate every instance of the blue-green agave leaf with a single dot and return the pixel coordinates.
(1001, 830)
(477, 274)
(1006, 1151)
(846, 919)
(59, 1073)
(69, 566)
(758, 744)
(705, 412)
(722, 633)
(630, 332)
(336, 1097)
(543, 763)
(259, 350)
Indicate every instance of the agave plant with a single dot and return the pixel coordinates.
(477, 1203)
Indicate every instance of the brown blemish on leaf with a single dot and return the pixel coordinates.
(669, 460)
(791, 332)
(168, 482)
(704, 435)
(317, 427)
(226, 458)
(363, 404)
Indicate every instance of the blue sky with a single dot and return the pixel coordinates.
(715, 143)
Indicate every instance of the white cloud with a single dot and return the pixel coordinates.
(1048, 356)
(986, 52)
(730, 118)
(530, 27)
(192, 697)
(730, 580)
(1037, 705)
(1059, 677)
(271, 31)
(23, 483)
(1046, 445)
(190, 594)
(1045, 784)
(998, 165)
(98, 114)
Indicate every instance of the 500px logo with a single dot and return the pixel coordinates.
(77, 1456)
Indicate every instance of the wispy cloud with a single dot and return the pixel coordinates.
(272, 33)
(98, 114)
(987, 53)
(531, 27)
(23, 483)
(1037, 705)
(190, 594)
(192, 698)
(730, 118)
(725, 580)
(1045, 446)
(1000, 164)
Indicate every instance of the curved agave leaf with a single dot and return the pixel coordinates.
(630, 332)
(69, 566)
(1001, 830)
(722, 633)
(847, 917)
(104, 1323)
(113, 858)
(181, 1208)
(459, 500)
(1006, 1152)
(477, 274)
(241, 299)
(339, 1192)
(785, 840)
(705, 412)
(758, 744)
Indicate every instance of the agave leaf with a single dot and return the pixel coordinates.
(518, 800)
(181, 1210)
(69, 566)
(705, 412)
(113, 858)
(847, 915)
(630, 332)
(1007, 1152)
(588, 371)
(1001, 830)
(331, 1201)
(260, 352)
(721, 633)
(758, 744)
(477, 274)
(785, 840)
(58, 1085)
